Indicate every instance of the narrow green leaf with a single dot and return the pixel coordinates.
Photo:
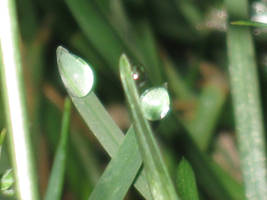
(56, 180)
(246, 102)
(2, 139)
(158, 177)
(250, 23)
(120, 172)
(186, 182)
(15, 104)
(105, 130)
(208, 109)
(97, 30)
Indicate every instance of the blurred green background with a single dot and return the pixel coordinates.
(178, 42)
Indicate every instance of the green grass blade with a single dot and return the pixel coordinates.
(120, 172)
(2, 139)
(246, 101)
(97, 30)
(56, 179)
(186, 182)
(15, 105)
(209, 107)
(105, 130)
(249, 23)
(158, 177)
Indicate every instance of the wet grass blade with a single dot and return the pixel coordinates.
(158, 177)
(246, 102)
(249, 23)
(56, 180)
(186, 181)
(118, 176)
(104, 128)
(107, 132)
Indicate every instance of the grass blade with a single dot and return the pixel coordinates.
(2, 139)
(249, 23)
(97, 29)
(119, 174)
(104, 128)
(15, 106)
(186, 182)
(56, 180)
(246, 101)
(158, 178)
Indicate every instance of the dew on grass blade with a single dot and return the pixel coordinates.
(155, 103)
(76, 74)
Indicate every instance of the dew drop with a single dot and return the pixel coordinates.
(155, 103)
(76, 74)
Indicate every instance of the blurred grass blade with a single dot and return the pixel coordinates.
(246, 101)
(15, 105)
(158, 177)
(249, 23)
(186, 181)
(56, 180)
(2, 139)
(105, 130)
(97, 30)
(208, 109)
(120, 172)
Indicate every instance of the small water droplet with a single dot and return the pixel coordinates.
(139, 76)
(155, 103)
(76, 74)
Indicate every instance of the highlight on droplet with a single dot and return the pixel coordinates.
(155, 103)
(75, 73)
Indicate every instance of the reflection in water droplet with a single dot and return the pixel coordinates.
(155, 103)
(76, 74)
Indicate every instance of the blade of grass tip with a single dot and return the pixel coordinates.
(15, 106)
(2, 138)
(117, 177)
(56, 180)
(158, 177)
(96, 117)
(246, 102)
(250, 23)
(186, 181)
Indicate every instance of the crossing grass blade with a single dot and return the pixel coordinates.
(102, 126)
(118, 176)
(56, 181)
(107, 133)
(158, 177)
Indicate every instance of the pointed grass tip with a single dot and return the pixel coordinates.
(75, 73)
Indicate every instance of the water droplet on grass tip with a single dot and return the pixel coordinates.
(76, 74)
(155, 103)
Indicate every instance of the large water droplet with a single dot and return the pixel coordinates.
(76, 74)
(155, 103)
